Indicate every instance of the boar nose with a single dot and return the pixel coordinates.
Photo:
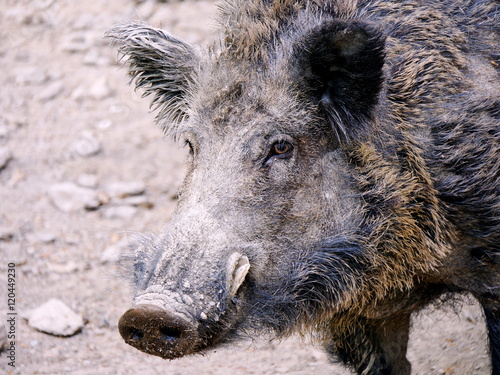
(153, 331)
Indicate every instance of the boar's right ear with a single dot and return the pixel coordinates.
(161, 64)
(342, 64)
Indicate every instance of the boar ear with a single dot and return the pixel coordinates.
(161, 64)
(343, 62)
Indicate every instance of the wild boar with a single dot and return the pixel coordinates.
(344, 172)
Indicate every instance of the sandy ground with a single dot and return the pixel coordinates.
(67, 116)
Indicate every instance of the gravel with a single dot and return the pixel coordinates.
(83, 168)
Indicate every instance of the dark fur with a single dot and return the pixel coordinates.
(400, 101)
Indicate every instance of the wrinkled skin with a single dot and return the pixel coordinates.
(343, 173)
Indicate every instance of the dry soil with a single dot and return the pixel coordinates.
(68, 116)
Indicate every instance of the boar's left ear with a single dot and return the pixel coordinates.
(161, 64)
(342, 62)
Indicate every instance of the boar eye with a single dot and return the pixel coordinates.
(190, 147)
(280, 150)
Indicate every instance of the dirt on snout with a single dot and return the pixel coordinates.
(83, 169)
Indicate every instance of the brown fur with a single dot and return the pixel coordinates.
(386, 198)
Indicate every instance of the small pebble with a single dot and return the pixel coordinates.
(126, 188)
(6, 234)
(99, 89)
(3, 335)
(95, 58)
(52, 91)
(4, 129)
(76, 43)
(45, 237)
(120, 212)
(5, 157)
(69, 197)
(87, 180)
(31, 75)
(69, 267)
(87, 145)
(136, 201)
(55, 318)
(104, 124)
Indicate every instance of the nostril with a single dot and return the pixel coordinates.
(135, 334)
(170, 335)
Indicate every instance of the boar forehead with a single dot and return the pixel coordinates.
(241, 96)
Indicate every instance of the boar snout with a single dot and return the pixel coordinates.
(154, 331)
(175, 330)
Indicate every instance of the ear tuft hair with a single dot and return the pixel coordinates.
(161, 64)
(342, 63)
